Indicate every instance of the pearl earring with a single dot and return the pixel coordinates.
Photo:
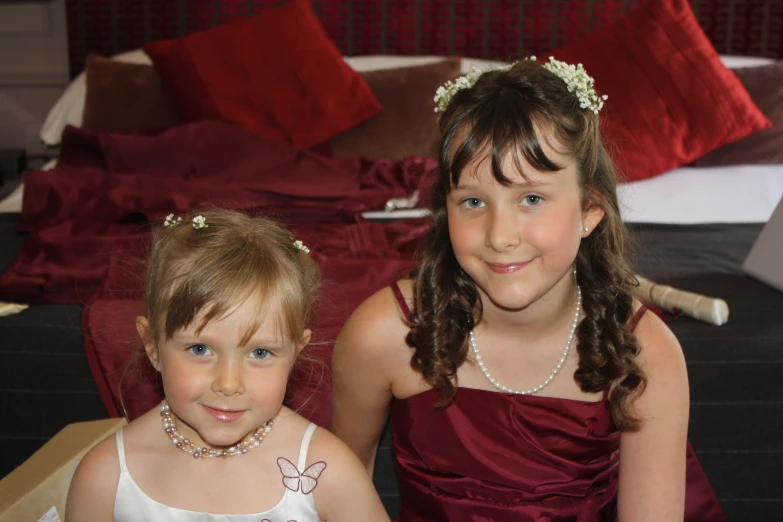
(586, 229)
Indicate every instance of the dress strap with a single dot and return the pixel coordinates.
(305, 445)
(121, 450)
(401, 300)
(636, 318)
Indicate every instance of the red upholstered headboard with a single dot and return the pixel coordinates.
(494, 29)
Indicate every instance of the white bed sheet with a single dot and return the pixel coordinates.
(690, 195)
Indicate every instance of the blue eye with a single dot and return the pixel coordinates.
(260, 353)
(473, 203)
(532, 200)
(199, 349)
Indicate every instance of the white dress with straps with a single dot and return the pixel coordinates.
(131, 503)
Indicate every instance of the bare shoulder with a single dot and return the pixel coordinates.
(101, 462)
(377, 327)
(666, 394)
(326, 447)
(94, 484)
(344, 490)
(382, 310)
(659, 348)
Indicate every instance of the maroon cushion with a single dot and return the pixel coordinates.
(277, 74)
(671, 100)
(765, 85)
(125, 97)
(406, 126)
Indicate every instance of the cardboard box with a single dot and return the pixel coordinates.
(42, 481)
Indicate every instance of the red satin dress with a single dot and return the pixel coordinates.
(494, 456)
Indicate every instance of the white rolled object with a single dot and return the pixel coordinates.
(708, 309)
(11, 308)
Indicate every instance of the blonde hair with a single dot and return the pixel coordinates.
(234, 260)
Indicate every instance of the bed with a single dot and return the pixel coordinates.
(140, 137)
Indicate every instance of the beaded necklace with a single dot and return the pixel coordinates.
(184, 444)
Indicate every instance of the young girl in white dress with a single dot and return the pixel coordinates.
(227, 301)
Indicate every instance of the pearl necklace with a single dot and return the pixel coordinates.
(181, 442)
(551, 376)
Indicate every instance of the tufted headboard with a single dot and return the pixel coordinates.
(493, 29)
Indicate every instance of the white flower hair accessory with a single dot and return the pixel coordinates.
(199, 222)
(301, 246)
(579, 82)
(576, 78)
(171, 221)
(446, 92)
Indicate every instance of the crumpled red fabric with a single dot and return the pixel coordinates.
(89, 222)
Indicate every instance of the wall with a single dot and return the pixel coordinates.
(33, 69)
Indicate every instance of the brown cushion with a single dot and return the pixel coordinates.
(765, 85)
(407, 125)
(125, 97)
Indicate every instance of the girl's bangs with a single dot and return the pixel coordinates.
(492, 137)
(267, 297)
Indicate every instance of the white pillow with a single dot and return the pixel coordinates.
(730, 61)
(379, 62)
(70, 106)
(738, 62)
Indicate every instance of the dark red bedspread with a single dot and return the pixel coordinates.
(89, 223)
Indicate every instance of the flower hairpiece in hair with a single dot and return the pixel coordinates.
(199, 222)
(301, 246)
(576, 78)
(579, 82)
(171, 221)
(446, 92)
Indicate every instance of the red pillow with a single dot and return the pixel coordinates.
(671, 100)
(277, 74)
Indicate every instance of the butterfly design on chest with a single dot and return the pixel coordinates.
(293, 479)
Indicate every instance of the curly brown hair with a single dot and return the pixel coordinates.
(501, 114)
